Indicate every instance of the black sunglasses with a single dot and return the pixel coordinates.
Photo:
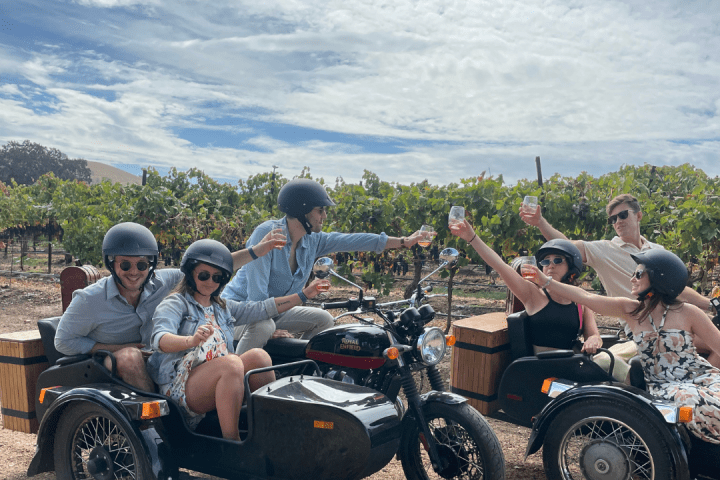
(126, 265)
(556, 261)
(204, 276)
(612, 219)
(638, 274)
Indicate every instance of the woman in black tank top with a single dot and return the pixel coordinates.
(555, 322)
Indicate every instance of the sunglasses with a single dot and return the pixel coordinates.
(637, 274)
(612, 219)
(556, 261)
(204, 276)
(126, 265)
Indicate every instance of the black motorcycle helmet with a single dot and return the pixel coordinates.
(212, 253)
(131, 240)
(568, 250)
(667, 273)
(298, 197)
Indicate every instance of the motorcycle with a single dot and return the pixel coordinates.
(95, 426)
(442, 436)
(591, 426)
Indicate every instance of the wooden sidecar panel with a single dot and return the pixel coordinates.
(323, 429)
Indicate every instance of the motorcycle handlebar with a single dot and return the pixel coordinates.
(334, 305)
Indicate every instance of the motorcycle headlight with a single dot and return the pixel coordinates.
(431, 345)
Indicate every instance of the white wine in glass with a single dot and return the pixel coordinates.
(456, 217)
(426, 239)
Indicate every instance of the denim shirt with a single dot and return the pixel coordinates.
(182, 315)
(270, 275)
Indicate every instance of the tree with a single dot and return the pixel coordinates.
(26, 162)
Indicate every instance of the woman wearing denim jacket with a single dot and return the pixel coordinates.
(192, 339)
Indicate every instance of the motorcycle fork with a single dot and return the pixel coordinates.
(436, 381)
(413, 398)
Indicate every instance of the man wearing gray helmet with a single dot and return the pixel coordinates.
(285, 271)
(115, 313)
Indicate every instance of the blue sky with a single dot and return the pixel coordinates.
(408, 89)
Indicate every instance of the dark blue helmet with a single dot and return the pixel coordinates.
(212, 253)
(568, 250)
(667, 273)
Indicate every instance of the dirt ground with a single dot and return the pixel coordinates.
(24, 301)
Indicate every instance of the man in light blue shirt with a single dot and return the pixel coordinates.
(285, 271)
(115, 314)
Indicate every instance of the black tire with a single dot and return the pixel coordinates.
(87, 431)
(604, 439)
(464, 440)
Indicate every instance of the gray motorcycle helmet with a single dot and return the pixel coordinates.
(667, 273)
(131, 240)
(568, 250)
(210, 252)
(298, 197)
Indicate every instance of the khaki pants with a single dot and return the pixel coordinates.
(622, 352)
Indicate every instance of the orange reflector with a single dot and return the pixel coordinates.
(150, 410)
(42, 393)
(546, 384)
(685, 414)
(392, 353)
(449, 340)
(324, 425)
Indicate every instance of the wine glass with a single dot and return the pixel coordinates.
(456, 216)
(282, 226)
(530, 204)
(527, 272)
(323, 285)
(426, 239)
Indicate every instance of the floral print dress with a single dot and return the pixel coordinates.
(214, 347)
(674, 371)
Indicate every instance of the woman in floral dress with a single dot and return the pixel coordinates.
(663, 329)
(193, 360)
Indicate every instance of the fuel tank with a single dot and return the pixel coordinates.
(356, 345)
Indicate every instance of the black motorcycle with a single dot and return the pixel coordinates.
(442, 435)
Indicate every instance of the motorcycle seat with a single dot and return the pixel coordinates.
(286, 347)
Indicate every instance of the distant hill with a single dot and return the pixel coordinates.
(100, 171)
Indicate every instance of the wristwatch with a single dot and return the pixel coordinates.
(402, 241)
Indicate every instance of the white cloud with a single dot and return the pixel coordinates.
(586, 84)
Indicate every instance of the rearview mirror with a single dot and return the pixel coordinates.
(323, 267)
(449, 255)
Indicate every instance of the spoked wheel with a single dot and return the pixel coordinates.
(467, 445)
(598, 439)
(91, 443)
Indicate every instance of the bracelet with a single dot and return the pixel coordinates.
(547, 283)
(252, 253)
(473, 238)
(303, 297)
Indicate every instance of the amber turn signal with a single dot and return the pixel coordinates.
(42, 393)
(151, 410)
(392, 353)
(546, 385)
(449, 340)
(685, 414)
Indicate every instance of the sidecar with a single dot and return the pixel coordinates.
(591, 426)
(93, 425)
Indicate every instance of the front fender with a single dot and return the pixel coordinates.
(441, 397)
(119, 401)
(620, 393)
